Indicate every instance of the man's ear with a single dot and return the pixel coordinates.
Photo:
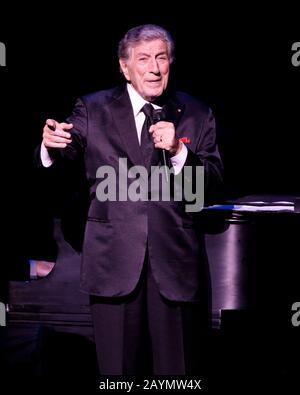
(124, 68)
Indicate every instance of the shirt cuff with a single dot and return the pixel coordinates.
(178, 160)
(45, 157)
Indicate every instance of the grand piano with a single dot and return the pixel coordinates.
(254, 259)
(49, 332)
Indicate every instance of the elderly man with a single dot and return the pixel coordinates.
(143, 258)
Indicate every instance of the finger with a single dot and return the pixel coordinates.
(160, 134)
(65, 125)
(56, 133)
(56, 136)
(57, 139)
(157, 139)
(164, 124)
(159, 144)
(49, 128)
(51, 124)
(61, 133)
(155, 128)
(51, 144)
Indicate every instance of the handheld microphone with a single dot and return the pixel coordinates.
(160, 115)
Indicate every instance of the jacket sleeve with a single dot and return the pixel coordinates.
(79, 119)
(207, 155)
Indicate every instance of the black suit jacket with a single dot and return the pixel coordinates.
(118, 232)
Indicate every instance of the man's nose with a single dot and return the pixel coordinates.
(153, 66)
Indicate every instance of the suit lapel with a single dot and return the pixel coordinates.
(122, 115)
(174, 110)
(171, 106)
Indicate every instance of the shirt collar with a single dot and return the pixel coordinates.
(137, 101)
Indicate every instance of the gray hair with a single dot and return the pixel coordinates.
(145, 33)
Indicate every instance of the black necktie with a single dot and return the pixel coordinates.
(147, 145)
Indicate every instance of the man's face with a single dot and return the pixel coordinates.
(148, 68)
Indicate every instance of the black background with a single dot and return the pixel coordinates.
(235, 58)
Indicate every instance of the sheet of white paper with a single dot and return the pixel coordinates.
(249, 207)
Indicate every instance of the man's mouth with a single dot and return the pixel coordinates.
(154, 82)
